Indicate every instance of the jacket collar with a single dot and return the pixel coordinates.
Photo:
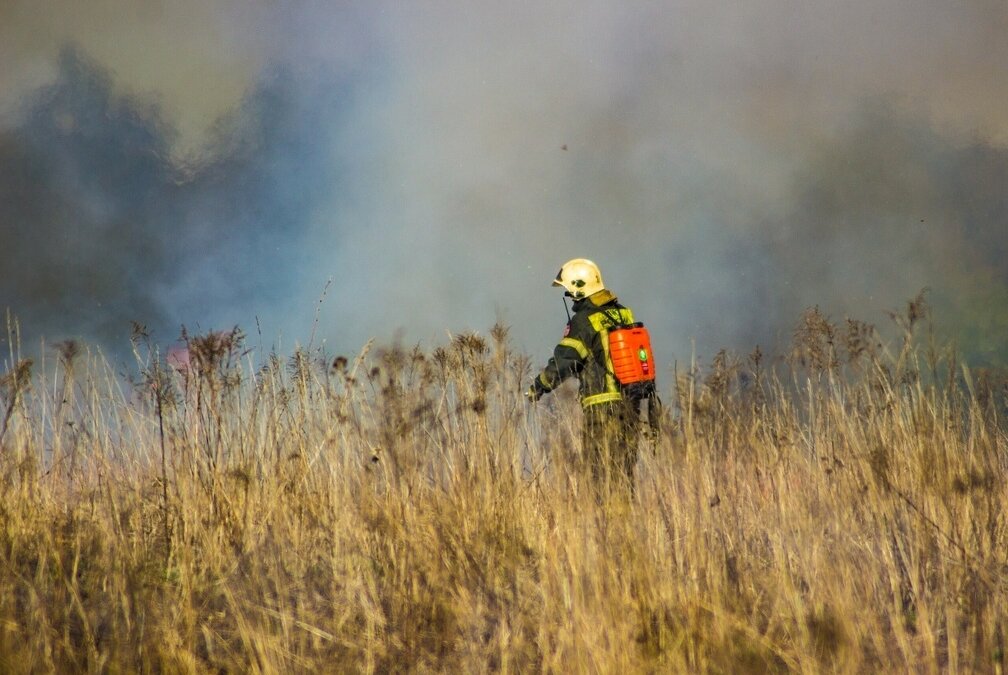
(597, 299)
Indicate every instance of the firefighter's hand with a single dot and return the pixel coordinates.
(536, 390)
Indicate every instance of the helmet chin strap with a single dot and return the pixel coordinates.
(566, 308)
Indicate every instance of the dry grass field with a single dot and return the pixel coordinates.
(840, 510)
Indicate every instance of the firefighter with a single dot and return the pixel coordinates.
(609, 434)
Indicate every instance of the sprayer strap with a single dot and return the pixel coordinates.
(602, 321)
(611, 318)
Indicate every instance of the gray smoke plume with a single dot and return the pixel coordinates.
(727, 164)
(867, 220)
(893, 206)
(101, 228)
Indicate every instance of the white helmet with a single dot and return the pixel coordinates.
(580, 277)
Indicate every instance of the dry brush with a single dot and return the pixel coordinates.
(404, 510)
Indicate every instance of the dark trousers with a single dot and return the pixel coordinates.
(609, 438)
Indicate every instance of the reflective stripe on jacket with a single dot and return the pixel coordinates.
(584, 350)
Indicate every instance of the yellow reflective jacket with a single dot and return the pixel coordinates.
(584, 350)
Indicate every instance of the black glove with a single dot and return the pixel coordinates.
(535, 391)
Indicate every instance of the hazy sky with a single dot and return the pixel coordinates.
(726, 163)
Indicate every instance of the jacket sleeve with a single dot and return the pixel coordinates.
(569, 357)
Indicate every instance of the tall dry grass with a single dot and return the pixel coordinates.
(403, 510)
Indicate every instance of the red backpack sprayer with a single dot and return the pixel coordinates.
(634, 368)
(632, 363)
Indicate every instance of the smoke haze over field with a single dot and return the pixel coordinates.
(726, 164)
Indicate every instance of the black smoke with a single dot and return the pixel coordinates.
(100, 227)
(317, 174)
